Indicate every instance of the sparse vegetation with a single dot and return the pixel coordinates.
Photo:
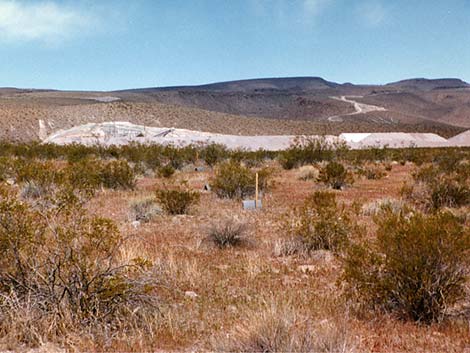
(157, 289)
(415, 269)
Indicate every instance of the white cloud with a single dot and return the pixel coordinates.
(44, 21)
(372, 13)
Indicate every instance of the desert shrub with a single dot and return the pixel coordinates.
(32, 191)
(64, 265)
(84, 174)
(375, 207)
(307, 173)
(213, 154)
(415, 268)
(227, 233)
(145, 209)
(434, 189)
(166, 171)
(448, 162)
(92, 174)
(320, 223)
(232, 180)
(311, 150)
(446, 192)
(117, 175)
(279, 328)
(372, 173)
(177, 201)
(42, 174)
(335, 175)
(289, 246)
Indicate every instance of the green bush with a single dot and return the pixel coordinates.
(446, 192)
(92, 174)
(166, 171)
(335, 175)
(177, 201)
(213, 154)
(434, 189)
(320, 223)
(415, 268)
(309, 151)
(65, 263)
(234, 181)
(117, 175)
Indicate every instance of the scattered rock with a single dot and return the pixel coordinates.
(191, 294)
(306, 268)
(222, 267)
(323, 256)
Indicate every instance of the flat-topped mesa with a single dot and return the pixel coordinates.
(122, 133)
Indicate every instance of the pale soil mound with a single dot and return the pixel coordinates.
(462, 139)
(122, 133)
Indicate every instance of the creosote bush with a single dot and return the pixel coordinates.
(177, 201)
(166, 171)
(320, 223)
(335, 175)
(307, 150)
(64, 266)
(233, 180)
(434, 188)
(416, 268)
(213, 154)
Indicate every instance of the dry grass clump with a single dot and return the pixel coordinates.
(279, 328)
(144, 209)
(417, 267)
(290, 246)
(372, 172)
(375, 207)
(227, 234)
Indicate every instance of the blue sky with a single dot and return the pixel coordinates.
(117, 44)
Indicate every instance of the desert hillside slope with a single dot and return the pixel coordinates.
(277, 106)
